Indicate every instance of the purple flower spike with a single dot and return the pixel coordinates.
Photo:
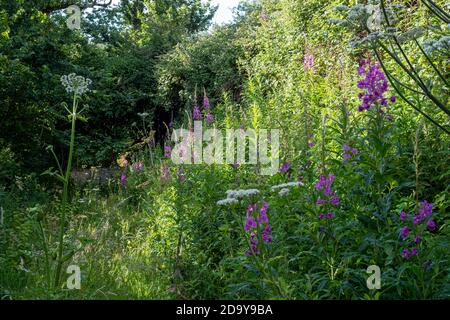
(426, 209)
(209, 118)
(374, 84)
(123, 180)
(265, 234)
(206, 102)
(167, 151)
(196, 113)
(263, 214)
(285, 167)
(335, 201)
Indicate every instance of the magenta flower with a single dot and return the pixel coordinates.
(180, 175)
(349, 152)
(265, 234)
(285, 167)
(263, 214)
(123, 179)
(138, 166)
(167, 151)
(250, 222)
(206, 102)
(321, 216)
(324, 184)
(254, 245)
(403, 215)
(418, 219)
(330, 215)
(196, 113)
(414, 251)
(264, 16)
(404, 232)
(308, 63)
(374, 84)
(321, 201)
(405, 253)
(335, 200)
(431, 225)
(209, 118)
(426, 209)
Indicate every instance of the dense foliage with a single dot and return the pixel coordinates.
(364, 150)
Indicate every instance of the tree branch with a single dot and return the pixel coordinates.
(52, 6)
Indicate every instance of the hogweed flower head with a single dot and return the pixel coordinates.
(227, 201)
(287, 185)
(76, 84)
(283, 192)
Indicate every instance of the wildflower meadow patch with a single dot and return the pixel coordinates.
(299, 151)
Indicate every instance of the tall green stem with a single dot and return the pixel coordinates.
(65, 193)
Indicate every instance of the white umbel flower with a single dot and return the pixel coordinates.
(283, 192)
(76, 84)
(227, 201)
(287, 185)
(241, 193)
